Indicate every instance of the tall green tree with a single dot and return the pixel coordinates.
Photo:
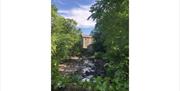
(111, 35)
(65, 42)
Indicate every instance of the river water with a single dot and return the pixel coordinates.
(85, 67)
(91, 68)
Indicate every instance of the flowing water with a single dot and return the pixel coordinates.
(91, 68)
(86, 68)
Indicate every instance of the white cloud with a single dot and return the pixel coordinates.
(80, 15)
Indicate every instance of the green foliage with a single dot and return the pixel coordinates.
(99, 55)
(106, 84)
(65, 42)
(65, 37)
(111, 36)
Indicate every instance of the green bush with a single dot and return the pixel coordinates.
(111, 40)
(65, 42)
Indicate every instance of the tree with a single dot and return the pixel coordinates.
(65, 40)
(112, 34)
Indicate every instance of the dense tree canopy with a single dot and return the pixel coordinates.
(65, 42)
(112, 39)
(111, 44)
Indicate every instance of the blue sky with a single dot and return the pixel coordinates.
(77, 10)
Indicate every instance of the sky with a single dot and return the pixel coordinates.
(77, 10)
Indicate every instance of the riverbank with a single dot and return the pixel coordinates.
(83, 69)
